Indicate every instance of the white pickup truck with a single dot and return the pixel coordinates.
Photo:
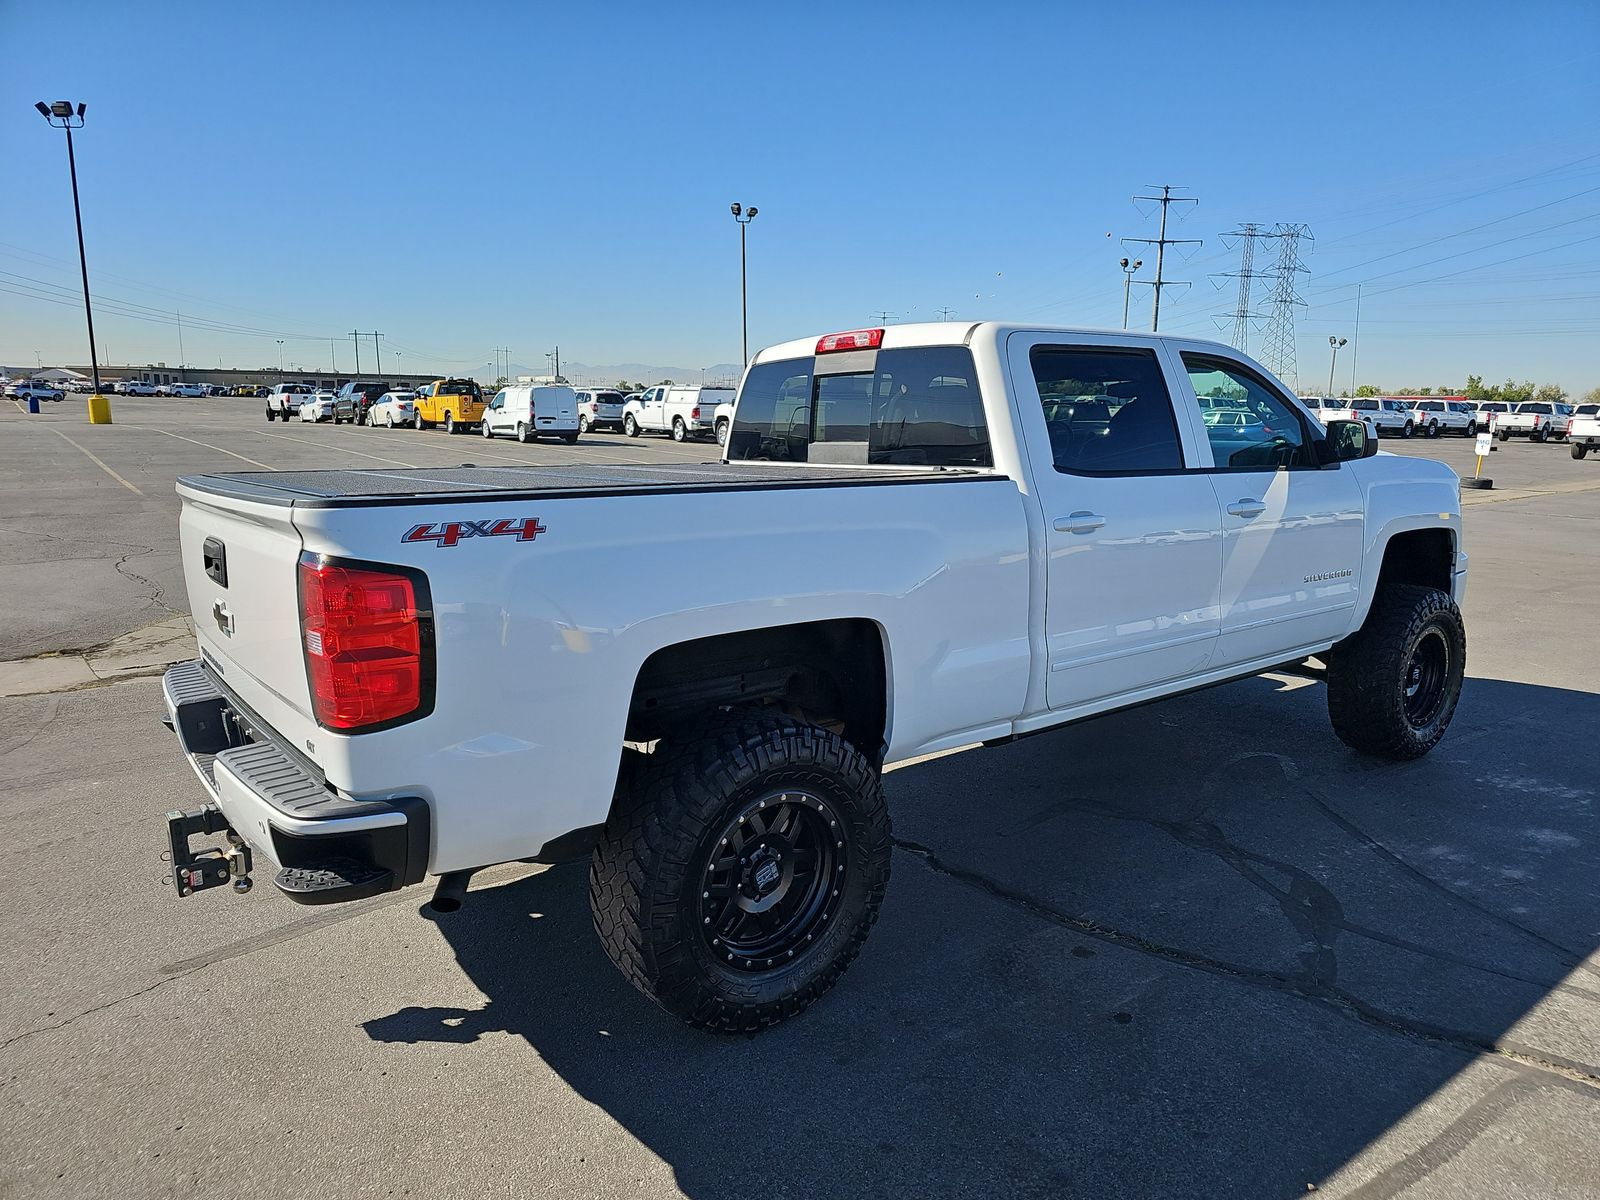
(921, 538)
(684, 412)
(1584, 432)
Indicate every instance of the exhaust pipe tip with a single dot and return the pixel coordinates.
(451, 893)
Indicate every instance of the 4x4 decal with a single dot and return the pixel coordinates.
(449, 533)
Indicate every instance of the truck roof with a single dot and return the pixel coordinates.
(959, 333)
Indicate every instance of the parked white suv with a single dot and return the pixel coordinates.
(922, 537)
(683, 412)
(528, 411)
(600, 408)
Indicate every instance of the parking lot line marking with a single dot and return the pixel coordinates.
(207, 445)
(325, 445)
(97, 462)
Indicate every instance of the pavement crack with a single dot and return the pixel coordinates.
(1308, 987)
(98, 1008)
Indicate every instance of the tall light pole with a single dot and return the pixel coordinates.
(744, 216)
(1128, 268)
(1337, 343)
(280, 360)
(63, 114)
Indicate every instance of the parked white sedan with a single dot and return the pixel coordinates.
(317, 407)
(392, 408)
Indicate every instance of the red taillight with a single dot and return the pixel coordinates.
(368, 657)
(855, 339)
(694, 413)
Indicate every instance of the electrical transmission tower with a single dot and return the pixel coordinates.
(1161, 241)
(1247, 234)
(1277, 349)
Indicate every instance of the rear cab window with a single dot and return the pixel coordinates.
(913, 406)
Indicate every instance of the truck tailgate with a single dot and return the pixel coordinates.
(240, 568)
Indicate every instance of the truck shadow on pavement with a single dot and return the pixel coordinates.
(1195, 949)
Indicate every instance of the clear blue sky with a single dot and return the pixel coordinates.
(467, 176)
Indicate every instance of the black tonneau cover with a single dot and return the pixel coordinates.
(464, 484)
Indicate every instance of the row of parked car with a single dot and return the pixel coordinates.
(1537, 420)
(523, 411)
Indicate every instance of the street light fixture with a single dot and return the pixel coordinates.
(63, 115)
(280, 359)
(744, 216)
(1337, 344)
(1128, 268)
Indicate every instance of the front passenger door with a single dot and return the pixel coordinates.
(1292, 527)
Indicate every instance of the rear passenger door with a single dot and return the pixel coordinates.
(1292, 528)
(1134, 536)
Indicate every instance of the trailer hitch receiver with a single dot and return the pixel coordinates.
(196, 870)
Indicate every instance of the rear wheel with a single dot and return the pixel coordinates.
(722, 433)
(1393, 686)
(1505, 435)
(389, 420)
(680, 431)
(1433, 429)
(449, 423)
(570, 439)
(1536, 435)
(630, 426)
(1579, 449)
(741, 871)
(524, 434)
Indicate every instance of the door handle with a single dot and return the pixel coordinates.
(1246, 508)
(1079, 522)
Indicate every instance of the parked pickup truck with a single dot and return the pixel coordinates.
(1584, 432)
(285, 399)
(684, 412)
(921, 538)
(1535, 420)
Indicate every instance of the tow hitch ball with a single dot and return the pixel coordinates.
(196, 870)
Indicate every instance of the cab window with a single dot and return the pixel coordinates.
(1250, 427)
(1107, 411)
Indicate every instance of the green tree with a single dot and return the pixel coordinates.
(1553, 392)
(1592, 396)
(1367, 390)
(1476, 392)
(1516, 393)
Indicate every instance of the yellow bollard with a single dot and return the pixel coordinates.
(99, 410)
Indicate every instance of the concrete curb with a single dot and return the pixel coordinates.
(146, 651)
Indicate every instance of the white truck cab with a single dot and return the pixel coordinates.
(920, 538)
(529, 411)
(683, 412)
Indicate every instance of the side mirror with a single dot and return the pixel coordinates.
(1348, 440)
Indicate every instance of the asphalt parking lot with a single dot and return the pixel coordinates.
(1195, 949)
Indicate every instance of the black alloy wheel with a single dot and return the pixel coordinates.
(1425, 678)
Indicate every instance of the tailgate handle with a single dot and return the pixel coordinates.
(215, 555)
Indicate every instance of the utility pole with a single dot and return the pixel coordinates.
(947, 312)
(1355, 342)
(181, 371)
(558, 363)
(883, 315)
(334, 355)
(356, 338)
(1161, 241)
(377, 352)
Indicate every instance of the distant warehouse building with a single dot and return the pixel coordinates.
(159, 373)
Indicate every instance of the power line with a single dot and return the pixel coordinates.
(1161, 241)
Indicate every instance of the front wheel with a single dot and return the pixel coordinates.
(418, 422)
(271, 416)
(583, 423)
(1579, 449)
(1393, 685)
(488, 434)
(741, 871)
(680, 431)
(630, 426)
(1472, 429)
(1408, 430)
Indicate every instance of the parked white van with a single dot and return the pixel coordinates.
(684, 412)
(532, 411)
